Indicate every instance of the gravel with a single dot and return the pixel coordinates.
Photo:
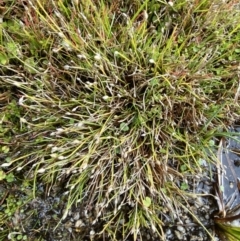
(41, 217)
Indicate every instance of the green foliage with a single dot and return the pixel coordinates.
(2, 175)
(10, 177)
(147, 202)
(184, 186)
(228, 232)
(124, 127)
(100, 95)
(5, 149)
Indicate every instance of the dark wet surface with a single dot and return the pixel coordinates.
(230, 159)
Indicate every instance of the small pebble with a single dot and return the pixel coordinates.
(79, 223)
(181, 229)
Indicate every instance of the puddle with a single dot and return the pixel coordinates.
(227, 222)
(230, 159)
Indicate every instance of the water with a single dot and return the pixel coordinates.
(230, 159)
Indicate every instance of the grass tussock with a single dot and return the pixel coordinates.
(119, 100)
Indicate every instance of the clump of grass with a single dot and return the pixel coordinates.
(119, 100)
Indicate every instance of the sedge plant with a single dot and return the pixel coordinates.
(118, 100)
